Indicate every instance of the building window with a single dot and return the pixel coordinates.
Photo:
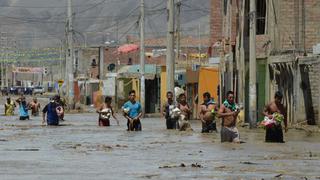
(93, 63)
(261, 16)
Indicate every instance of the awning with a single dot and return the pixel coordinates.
(127, 48)
(133, 71)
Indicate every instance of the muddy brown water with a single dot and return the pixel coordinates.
(81, 150)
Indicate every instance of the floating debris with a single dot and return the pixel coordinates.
(196, 165)
(26, 149)
(247, 162)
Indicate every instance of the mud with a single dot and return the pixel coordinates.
(79, 149)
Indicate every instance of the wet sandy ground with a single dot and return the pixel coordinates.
(81, 150)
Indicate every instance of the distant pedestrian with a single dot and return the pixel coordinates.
(51, 112)
(229, 112)
(35, 107)
(207, 114)
(105, 112)
(132, 112)
(171, 122)
(9, 107)
(275, 112)
(23, 108)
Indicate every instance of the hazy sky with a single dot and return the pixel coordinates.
(42, 22)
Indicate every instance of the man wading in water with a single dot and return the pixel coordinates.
(274, 133)
(23, 108)
(167, 107)
(52, 111)
(229, 112)
(207, 114)
(35, 107)
(132, 112)
(105, 112)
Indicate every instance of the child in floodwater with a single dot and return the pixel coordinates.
(105, 111)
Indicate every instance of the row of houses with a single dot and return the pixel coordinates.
(120, 73)
(287, 53)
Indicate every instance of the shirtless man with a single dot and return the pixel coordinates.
(275, 134)
(35, 107)
(184, 106)
(105, 111)
(207, 114)
(228, 112)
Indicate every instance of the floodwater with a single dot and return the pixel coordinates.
(81, 150)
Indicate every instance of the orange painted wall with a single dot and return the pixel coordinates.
(208, 82)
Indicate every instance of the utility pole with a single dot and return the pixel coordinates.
(178, 30)
(101, 62)
(229, 9)
(199, 46)
(142, 58)
(60, 58)
(69, 63)
(170, 61)
(6, 62)
(252, 69)
(2, 61)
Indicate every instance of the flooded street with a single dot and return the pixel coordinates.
(79, 149)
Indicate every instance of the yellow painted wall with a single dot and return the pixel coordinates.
(208, 82)
(136, 87)
(163, 88)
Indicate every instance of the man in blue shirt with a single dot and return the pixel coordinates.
(23, 108)
(132, 112)
(51, 111)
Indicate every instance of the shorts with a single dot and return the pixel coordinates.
(171, 123)
(136, 125)
(274, 134)
(104, 122)
(35, 113)
(208, 127)
(53, 124)
(24, 118)
(230, 134)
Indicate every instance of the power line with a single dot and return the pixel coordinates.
(47, 7)
(135, 24)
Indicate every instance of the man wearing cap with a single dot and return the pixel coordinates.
(51, 110)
